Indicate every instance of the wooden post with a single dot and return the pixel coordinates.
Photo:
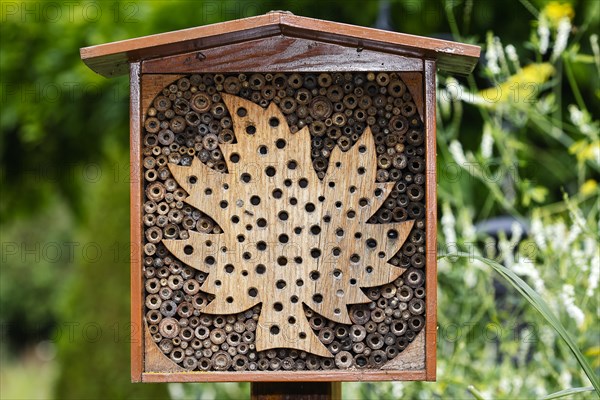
(296, 391)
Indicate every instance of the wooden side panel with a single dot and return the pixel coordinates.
(431, 221)
(282, 54)
(137, 325)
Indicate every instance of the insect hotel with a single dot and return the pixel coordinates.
(283, 199)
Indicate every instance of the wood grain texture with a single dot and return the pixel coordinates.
(111, 59)
(296, 391)
(154, 359)
(282, 54)
(414, 83)
(431, 221)
(135, 206)
(323, 265)
(287, 376)
(411, 359)
(152, 85)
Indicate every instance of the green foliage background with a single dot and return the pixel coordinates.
(64, 186)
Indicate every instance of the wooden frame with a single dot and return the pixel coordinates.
(280, 42)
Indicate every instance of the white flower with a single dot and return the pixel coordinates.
(562, 36)
(487, 142)
(581, 120)
(516, 233)
(568, 299)
(397, 390)
(565, 379)
(544, 34)
(511, 53)
(448, 225)
(537, 231)
(526, 268)
(501, 55)
(457, 153)
(468, 229)
(491, 56)
(470, 278)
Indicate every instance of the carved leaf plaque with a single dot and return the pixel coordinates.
(290, 240)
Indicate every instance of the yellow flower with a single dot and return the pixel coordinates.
(588, 187)
(585, 151)
(555, 11)
(524, 86)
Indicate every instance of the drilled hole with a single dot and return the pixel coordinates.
(246, 177)
(270, 171)
(255, 200)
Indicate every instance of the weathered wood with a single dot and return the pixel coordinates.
(111, 59)
(410, 359)
(152, 85)
(287, 376)
(414, 83)
(136, 182)
(431, 220)
(282, 54)
(296, 391)
(154, 359)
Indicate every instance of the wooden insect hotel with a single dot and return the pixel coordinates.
(283, 199)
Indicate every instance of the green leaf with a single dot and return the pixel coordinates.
(568, 392)
(542, 307)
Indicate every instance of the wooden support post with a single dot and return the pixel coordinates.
(296, 391)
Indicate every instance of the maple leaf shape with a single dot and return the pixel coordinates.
(289, 238)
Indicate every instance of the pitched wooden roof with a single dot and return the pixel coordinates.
(112, 59)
